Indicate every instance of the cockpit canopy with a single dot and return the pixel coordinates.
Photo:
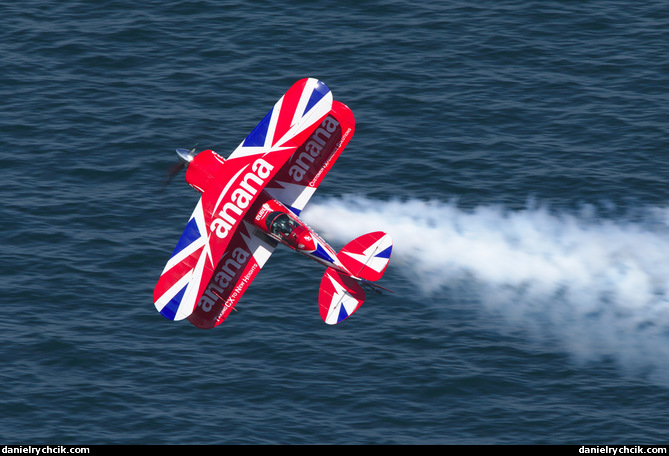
(290, 231)
(281, 224)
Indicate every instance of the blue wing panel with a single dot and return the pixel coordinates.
(257, 137)
(190, 234)
(319, 92)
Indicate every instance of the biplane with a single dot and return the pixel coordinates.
(251, 203)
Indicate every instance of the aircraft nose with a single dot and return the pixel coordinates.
(185, 155)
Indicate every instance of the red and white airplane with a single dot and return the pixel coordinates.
(251, 202)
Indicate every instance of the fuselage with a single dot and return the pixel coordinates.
(267, 213)
(277, 221)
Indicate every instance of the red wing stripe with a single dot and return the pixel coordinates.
(287, 113)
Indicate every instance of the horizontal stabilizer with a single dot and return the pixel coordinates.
(367, 256)
(339, 296)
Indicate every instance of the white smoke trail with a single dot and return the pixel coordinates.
(600, 287)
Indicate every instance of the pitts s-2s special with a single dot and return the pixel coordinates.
(251, 203)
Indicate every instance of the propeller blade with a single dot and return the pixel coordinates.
(185, 157)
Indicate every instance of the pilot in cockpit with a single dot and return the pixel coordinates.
(282, 225)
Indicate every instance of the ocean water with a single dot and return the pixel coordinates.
(517, 152)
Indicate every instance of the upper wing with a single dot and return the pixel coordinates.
(182, 274)
(299, 178)
(219, 213)
(289, 122)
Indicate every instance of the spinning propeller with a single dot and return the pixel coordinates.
(185, 157)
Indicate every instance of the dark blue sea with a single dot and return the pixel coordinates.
(517, 152)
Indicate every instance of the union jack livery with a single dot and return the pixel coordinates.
(251, 203)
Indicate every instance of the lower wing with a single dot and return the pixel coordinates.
(299, 178)
(246, 254)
